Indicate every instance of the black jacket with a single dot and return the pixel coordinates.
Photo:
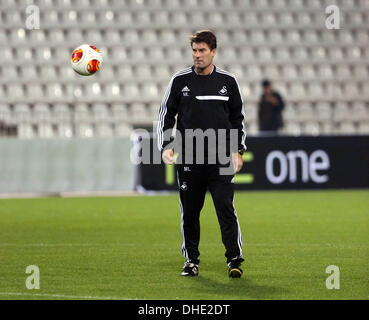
(201, 102)
(270, 116)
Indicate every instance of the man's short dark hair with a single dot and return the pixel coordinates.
(266, 83)
(204, 36)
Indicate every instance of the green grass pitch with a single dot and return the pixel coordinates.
(129, 247)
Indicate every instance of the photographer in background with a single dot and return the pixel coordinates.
(270, 110)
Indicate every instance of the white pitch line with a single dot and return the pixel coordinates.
(61, 296)
(63, 244)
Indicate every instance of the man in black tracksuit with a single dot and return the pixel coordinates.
(205, 98)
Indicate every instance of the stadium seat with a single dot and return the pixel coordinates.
(345, 37)
(38, 36)
(14, 91)
(122, 129)
(247, 54)
(303, 18)
(25, 131)
(293, 37)
(359, 112)
(351, 90)
(10, 72)
(47, 72)
(353, 53)
(233, 20)
(257, 37)
(293, 128)
(179, 19)
(252, 129)
(300, 54)
(271, 72)
(45, 130)
(150, 91)
(236, 70)
(290, 113)
(297, 91)
(161, 72)
(363, 128)
(94, 36)
(50, 17)
(70, 17)
(167, 37)
(100, 113)
(172, 54)
(82, 113)
(23, 54)
(41, 113)
(131, 90)
(119, 113)
(104, 130)
(215, 19)
(161, 18)
(268, 19)
(347, 128)
(143, 18)
(341, 112)
(124, 18)
(56, 36)
(149, 37)
(335, 55)
(7, 54)
(61, 114)
(316, 90)
(311, 128)
(84, 130)
(307, 72)
(138, 114)
(325, 71)
(283, 54)
(88, 18)
(318, 53)
(264, 54)
(113, 91)
(310, 37)
(254, 73)
(227, 55)
(324, 111)
(305, 112)
(106, 17)
(360, 72)
(112, 37)
(275, 37)
(54, 91)
(5, 113)
(289, 72)
(251, 113)
(362, 37)
(22, 113)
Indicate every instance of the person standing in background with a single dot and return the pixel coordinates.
(270, 110)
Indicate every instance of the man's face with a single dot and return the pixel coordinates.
(202, 55)
(268, 89)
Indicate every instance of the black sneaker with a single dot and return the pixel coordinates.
(234, 270)
(190, 269)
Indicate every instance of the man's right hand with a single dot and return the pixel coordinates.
(168, 156)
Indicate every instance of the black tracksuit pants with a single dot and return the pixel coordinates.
(193, 182)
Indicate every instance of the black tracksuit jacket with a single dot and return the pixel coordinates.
(201, 102)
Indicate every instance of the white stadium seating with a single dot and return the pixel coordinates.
(321, 73)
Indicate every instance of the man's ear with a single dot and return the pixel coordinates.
(213, 52)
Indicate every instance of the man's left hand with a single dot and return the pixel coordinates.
(237, 162)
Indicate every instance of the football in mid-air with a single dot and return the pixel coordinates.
(86, 60)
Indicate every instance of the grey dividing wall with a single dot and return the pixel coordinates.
(65, 165)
